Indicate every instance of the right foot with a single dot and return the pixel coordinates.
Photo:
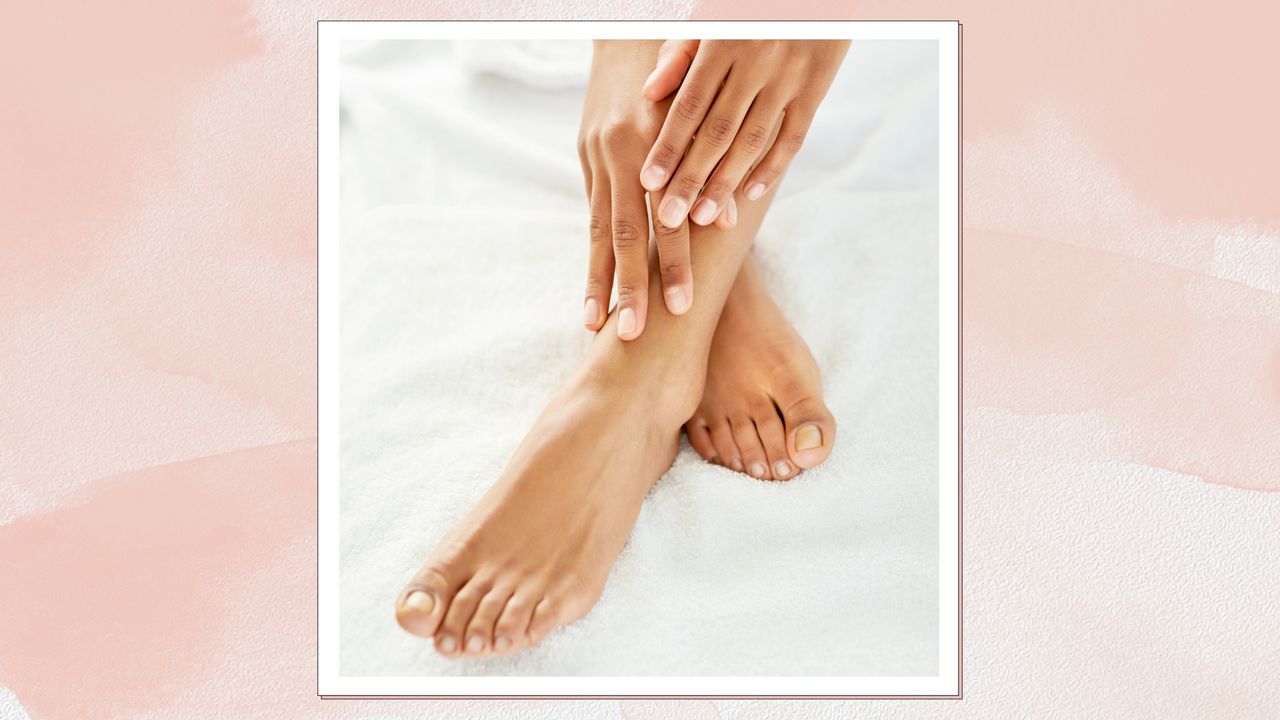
(761, 411)
(536, 551)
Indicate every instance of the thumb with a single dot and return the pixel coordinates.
(674, 59)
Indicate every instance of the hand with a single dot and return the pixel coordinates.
(618, 128)
(732, 95)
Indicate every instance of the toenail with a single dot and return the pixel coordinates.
(782, 468)
(626, 321)
(757, 469)
(447, 645)
(475, 643)
(736, 464)
(502, 643)
(421, 602)
(809, 437)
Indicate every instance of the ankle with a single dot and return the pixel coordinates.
(665, 388)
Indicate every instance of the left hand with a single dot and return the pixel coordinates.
(732, 96)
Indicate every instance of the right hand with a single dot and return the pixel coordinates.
(618, 128)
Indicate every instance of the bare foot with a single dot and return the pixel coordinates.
(762, 411)
(536, 551)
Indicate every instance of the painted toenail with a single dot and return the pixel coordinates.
(475, 643)
(757, 469)
(502, 643)
(677, 300)
(447, 645)
(626, 321)
(782, 468)
(809, 437)
(591, 312)
(736, 464)
(420, 602)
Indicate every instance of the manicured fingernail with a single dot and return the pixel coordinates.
(731, 212)
(626, 322)
(447, 645)
(652, 177)
(677, 300)
(475, 643)
(757, 469)
(591, 312)
(420, 602)
(736, 464)
(782, 468)
(672, 211)
(808, 437)
(502, 643)
(704, 211)
(755, 190)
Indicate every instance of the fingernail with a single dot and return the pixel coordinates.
(808, 437)
(652, 177)
(757, 469)
(677, 300)
(782, 468)
(626, 322)
(475, 643)
(591, 313)
(755, 190)
(704, 211)
(672, 212)
(420, 602)
(736, 464)
(447, 645)
(502, 643)
(731, 212)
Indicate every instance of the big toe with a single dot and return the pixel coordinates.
(811, 430)
(421, 606)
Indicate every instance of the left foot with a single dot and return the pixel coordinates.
(761, 411)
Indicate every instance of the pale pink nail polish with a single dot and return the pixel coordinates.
(755, 191)
(782, 468)
(591, 313)
(677, 300)
(626, 322)
(652, 177)
(757, 469)
(704, 211)
(731, 212)
(673, 211)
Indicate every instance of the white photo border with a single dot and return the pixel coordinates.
(947, 683)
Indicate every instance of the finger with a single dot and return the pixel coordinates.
(715, 136)
(673, 261)
(600, 262)
(674, 59)
(630, 231)
(795, 124)
(749, 145)
(729, 216)
(690, 106)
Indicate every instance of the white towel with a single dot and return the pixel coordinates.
(463, 257)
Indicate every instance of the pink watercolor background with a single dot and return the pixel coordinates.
(1122, 428)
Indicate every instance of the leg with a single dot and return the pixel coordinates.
(537, 549)
(762, 410)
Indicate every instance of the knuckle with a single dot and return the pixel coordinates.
(717, 131)
(717, 188)
(688, 106)
(755, 137)
(615, 133)
(626, 234)
(627, 290)
(667, 151)
(672, 272)
(599, 230)
(793, 142)
(688, 185)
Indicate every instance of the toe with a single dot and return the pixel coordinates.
(513, 624)
(545, 618)
(423, 603)
(726, 448)
(478, 640)
(811, 430)
(450, 636)
(700, 438)
(748, 440)
(773, 436)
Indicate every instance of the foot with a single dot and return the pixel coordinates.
(536, 551)
(761, 411)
